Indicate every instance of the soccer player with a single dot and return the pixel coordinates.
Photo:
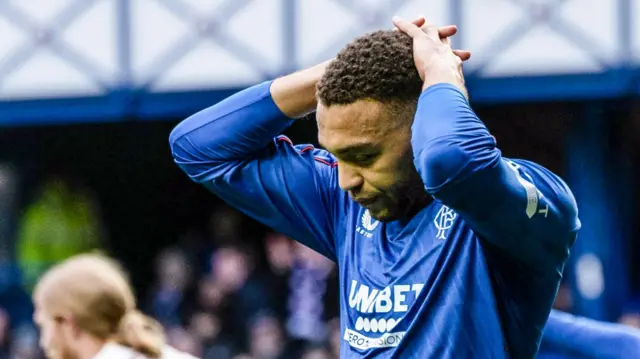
(445, 248)
(85, 309)
(572, 337)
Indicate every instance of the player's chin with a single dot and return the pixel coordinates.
(384, 214)
(391, 210)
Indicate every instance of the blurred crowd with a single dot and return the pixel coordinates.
(229, 289)
(223, 296)
(223, 291)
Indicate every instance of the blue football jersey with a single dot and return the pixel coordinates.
(472, 275)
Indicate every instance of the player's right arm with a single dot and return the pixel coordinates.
(231, 150)
(587, 338)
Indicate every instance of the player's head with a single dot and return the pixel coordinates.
(86, 301)
(366, 102)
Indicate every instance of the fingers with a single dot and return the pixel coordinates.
(443, 32)
(415, 31)
(464, 55)
(407, 27)
(446, 31)
(430, 29)
(419, 22)
(421, 26)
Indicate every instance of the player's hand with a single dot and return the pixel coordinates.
(435, 61)
(444, 32)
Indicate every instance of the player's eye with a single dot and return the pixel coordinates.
(364, 160)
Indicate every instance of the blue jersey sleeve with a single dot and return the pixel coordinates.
(518, 206)
(589, 339)
(232, 148)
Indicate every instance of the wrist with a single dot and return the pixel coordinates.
(459, 86)
(444, 74)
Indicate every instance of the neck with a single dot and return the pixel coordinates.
(90, 347)
(419, 204)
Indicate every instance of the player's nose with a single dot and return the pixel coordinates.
(349, 178)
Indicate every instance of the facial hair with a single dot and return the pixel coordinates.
(407, 196)
(411, 194)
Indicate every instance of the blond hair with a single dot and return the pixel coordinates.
(94, 290)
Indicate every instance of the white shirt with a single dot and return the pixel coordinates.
(117, 351)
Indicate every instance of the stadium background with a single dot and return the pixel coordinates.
(90, 89)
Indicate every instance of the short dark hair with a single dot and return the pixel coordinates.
(377, 66)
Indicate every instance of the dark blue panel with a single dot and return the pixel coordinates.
(179, 104)
(152, 106)
(114, 107)
(609, 84)
(63, 111)
(601, 181)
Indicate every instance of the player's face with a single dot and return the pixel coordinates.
(54, 335)
(375, 157)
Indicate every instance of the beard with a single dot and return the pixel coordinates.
(404, 199)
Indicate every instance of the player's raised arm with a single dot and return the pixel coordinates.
(520, 207)
(232, 148)
(587, 338)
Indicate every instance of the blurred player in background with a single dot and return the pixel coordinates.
(446, 249)
(85, 309)
(568, 336)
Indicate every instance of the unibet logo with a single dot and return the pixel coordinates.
(373, 304)
(393, 298)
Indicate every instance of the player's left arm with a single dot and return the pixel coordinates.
(520, 207)
(588, 338)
